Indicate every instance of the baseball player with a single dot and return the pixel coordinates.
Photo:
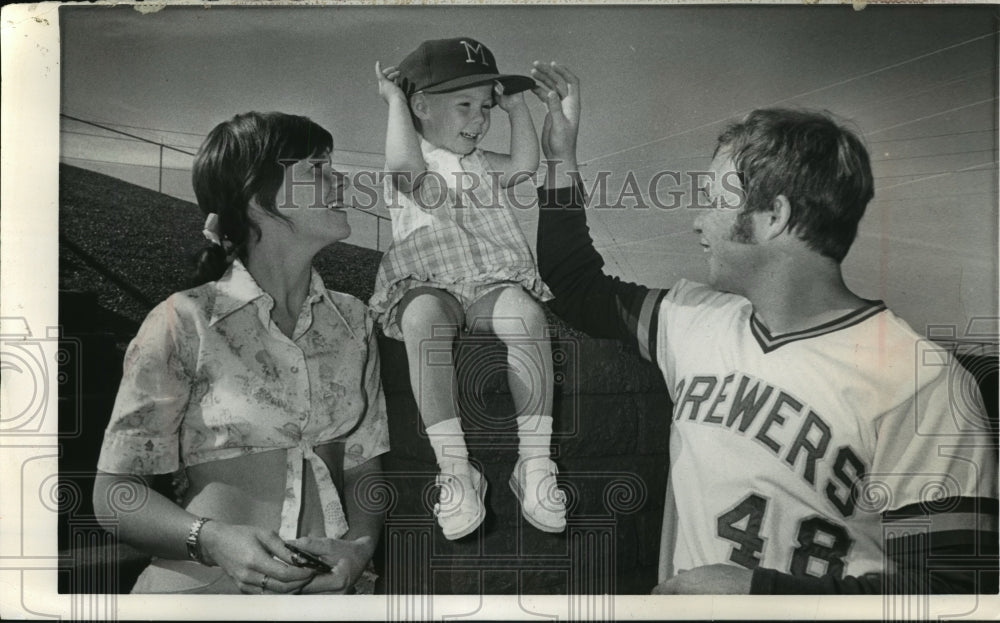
(814, 447)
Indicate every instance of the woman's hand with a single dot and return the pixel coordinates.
(560, 91)
(387, 86)
(347, 557)
(247, 555)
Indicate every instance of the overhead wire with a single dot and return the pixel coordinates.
(802, 94)
(202, 135)
(121, 138)
(931, 88)
(931, 116)
(654, 162)
(927, 136)
(974, 168)
(938, 155)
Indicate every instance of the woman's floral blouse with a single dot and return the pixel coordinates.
(211, 377)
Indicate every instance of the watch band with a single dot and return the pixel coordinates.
(192, 541)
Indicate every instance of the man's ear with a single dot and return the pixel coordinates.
(419, 106)
(773, 222)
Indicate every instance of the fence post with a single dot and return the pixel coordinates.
(159, 187)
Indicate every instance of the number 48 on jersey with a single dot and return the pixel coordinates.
(821, 548)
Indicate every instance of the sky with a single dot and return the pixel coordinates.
(658, 85)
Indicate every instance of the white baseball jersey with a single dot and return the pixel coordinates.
(785, 450)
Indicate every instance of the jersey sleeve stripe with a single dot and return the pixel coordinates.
(944, 521)
(646, 326)
(946, 505)
(964, 547)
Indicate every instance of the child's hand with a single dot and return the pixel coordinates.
(507, 102)
(387, 86)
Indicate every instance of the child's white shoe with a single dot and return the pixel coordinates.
(543, 503)
(460, 507)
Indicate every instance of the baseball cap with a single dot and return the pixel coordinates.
(444, 65)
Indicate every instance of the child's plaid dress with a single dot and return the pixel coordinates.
(456, 232)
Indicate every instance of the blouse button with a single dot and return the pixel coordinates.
(295, 369)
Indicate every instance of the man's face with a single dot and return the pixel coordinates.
(726, 231)
(459, 120)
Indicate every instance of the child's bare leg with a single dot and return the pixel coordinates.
(430, 319)
(519, 321)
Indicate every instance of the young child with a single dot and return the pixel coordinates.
(459, 258)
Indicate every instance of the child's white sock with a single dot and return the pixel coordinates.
(534, 434)
(448, 442)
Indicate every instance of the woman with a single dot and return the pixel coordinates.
(261, 383)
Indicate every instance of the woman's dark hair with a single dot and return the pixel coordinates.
(243, 159)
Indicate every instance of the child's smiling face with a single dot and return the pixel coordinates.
(457, 120)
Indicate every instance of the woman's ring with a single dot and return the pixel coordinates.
(263, 582)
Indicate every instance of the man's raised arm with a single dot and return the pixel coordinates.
(585, 297)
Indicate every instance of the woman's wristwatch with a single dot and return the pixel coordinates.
(193, 540)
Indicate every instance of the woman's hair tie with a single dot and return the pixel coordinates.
(211, 230)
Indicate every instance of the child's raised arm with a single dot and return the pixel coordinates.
(403, 159)
(523, 140)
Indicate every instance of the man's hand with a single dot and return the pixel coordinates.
(387, 83)
(347, 557)
(708, 580)
(560, 91)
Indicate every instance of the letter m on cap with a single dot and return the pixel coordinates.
(471, 50)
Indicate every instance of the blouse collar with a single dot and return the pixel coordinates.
(237, 288)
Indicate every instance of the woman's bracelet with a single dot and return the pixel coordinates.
(193, 541)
